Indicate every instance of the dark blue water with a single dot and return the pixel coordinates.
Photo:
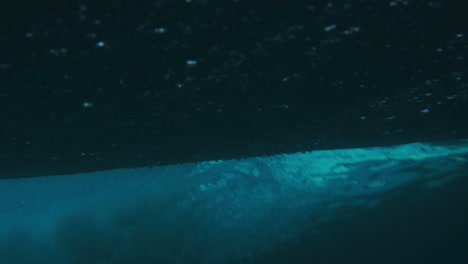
(396, 204)
(110, 112)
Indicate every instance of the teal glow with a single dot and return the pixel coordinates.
(210, 212)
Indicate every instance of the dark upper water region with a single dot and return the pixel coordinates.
(88, 85)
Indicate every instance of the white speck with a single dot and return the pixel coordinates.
(87, 104)
(29, 34)
(425, 111)
(91, 35)
(100, 44)
(330, 28)
(352, 30)
(159, 30)
(363, 118)
(58, 52)
(191, 62)
(391, 118)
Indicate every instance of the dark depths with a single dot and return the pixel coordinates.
(91, 85)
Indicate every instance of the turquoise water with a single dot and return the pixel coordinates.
(234, 211)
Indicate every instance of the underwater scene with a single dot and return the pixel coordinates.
(240, 211)
(234, 131)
